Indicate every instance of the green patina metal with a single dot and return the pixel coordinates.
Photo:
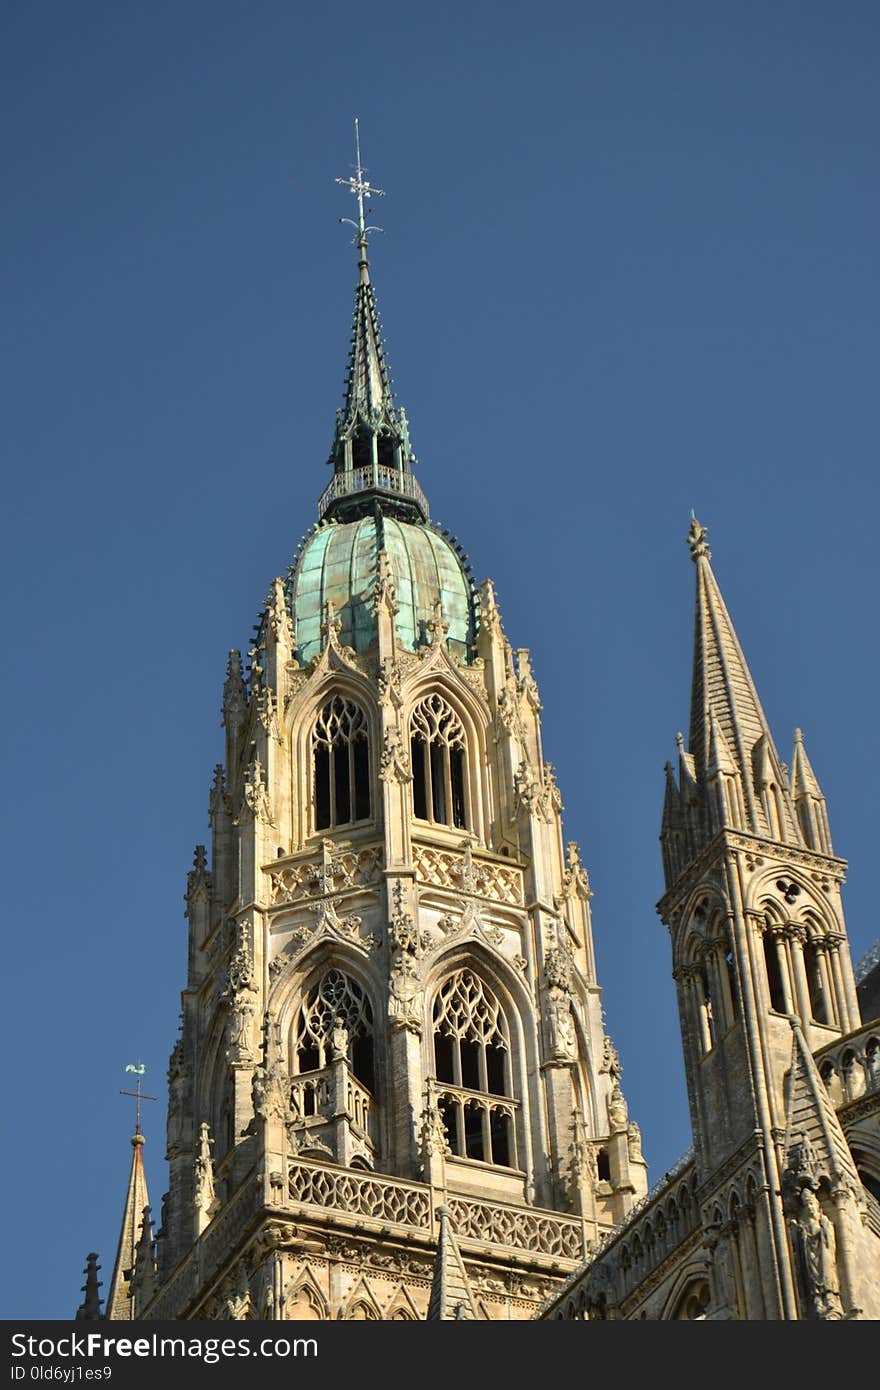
(339, 563)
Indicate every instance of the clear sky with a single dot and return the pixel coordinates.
(629, 268)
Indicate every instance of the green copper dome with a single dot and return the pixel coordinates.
(339, 562)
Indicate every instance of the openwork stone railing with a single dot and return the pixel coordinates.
(518, 1228)
(324, 874)
(404, 1204)
(468, 873)
(310, 1096)
(850, 1067)
(370, 478)
(359, 1105)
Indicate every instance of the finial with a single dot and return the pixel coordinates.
(697, 540)
(798, 735)
(138, 1069)
(361, 189)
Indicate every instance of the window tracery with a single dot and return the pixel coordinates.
(472, 1069)
(334, 1018)
(437, 749)
(341, 759)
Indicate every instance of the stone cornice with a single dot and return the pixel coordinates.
(730, 841)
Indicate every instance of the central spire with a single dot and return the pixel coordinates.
(371, 455)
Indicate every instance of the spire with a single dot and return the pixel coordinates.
(808, 800)
(119, 1303)
(815, 1145)
(727, 721)
(451, 1297)
(371, 455)
(90, 1308)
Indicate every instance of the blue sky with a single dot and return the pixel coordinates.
(629, 268)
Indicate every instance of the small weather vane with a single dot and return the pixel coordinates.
(361, 190)
(138, 1069)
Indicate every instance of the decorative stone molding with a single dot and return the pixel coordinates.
(394, 764)
(336, 870)
(468, 874)
(240, 995)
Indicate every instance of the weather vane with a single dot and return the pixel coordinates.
(138, 1069)
(361, 190)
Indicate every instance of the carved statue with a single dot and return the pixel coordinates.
(339, 1039)
(563, 1038)
(634, 1142)
(618, 1114)
(815, 1247)
(403, 1001)
(205, 1197)
(241, 996)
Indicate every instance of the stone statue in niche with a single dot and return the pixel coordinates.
(815, 1248)
(563, 1037)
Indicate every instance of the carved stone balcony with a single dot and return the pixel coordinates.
(333, 1114)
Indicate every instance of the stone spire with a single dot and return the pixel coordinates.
(815, 1145)
(808, 799)
(371, 453)
(451, 1296)
(119, 1302)
(729, 733)
(90, 1308)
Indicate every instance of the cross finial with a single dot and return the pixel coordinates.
(138, 1095)
(361, 189)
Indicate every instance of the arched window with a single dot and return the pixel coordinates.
(815, 983)
(437, 747)
(335, 1003)
(341, 755)
(774, 970)
(694, 1303)
(472, 1065)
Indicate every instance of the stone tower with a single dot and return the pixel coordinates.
(764, 980)
(392, 1027)
(774, 1212)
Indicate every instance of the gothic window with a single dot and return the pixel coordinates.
(603, 1166)
(705, 1007)
(341, 753)
(774, 971)
(815, 984)
(437, 746)
(472, 1069)
(336, 1002)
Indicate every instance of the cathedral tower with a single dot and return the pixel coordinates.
(392, 1028)
(774, 1212)
(764, 981)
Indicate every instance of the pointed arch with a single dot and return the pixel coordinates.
(483, 1116)
(465, 728)
(361, 1305)
(354, 730)
(401, 1307)
(303, 1300)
